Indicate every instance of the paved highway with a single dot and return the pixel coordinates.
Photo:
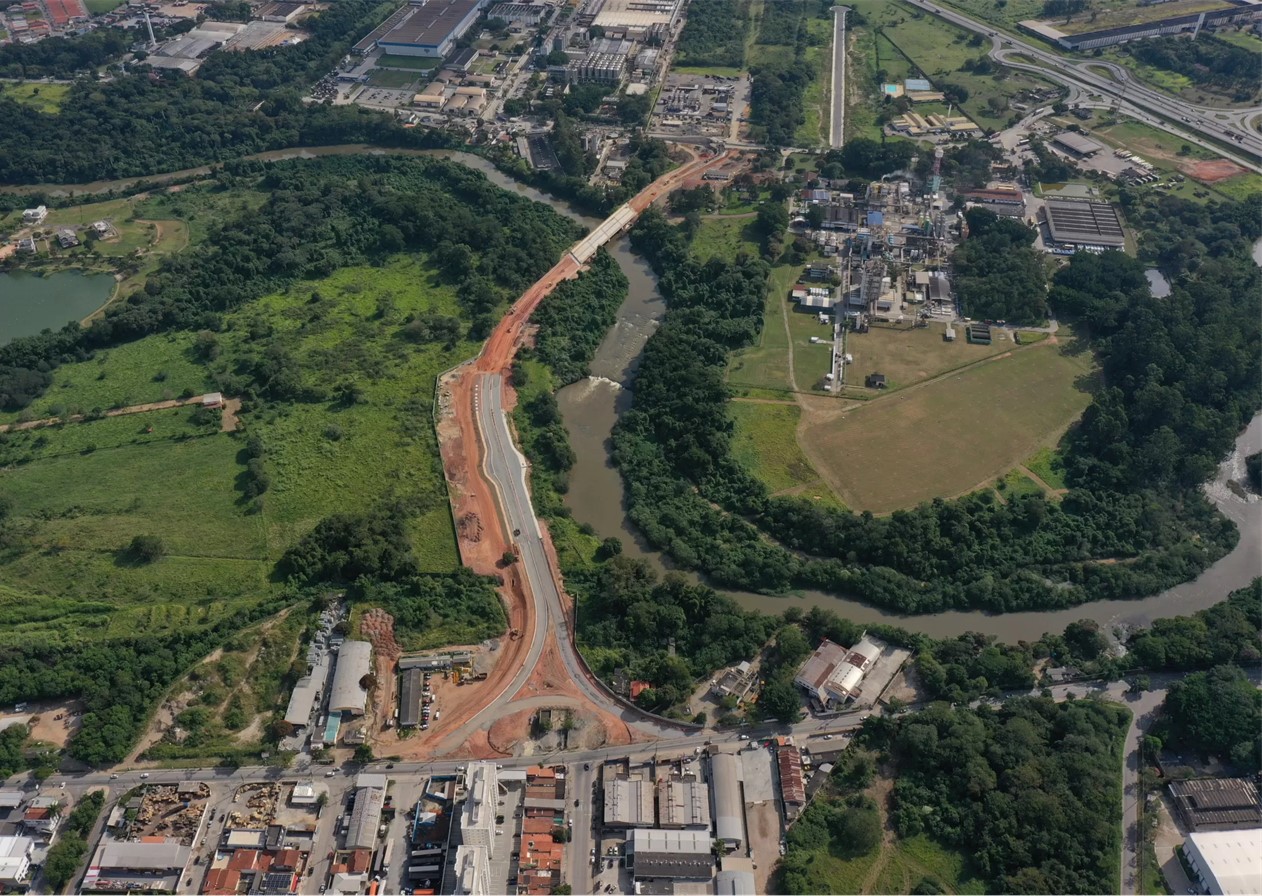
(1187, 120)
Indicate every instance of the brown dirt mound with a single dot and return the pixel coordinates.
(1213, 171)
(470, 527)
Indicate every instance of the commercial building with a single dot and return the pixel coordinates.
(15, 861)
(832, 674)
(1218, 804)
(683, 805)
(477, 814)
(1226, 862)
(151, 865)
(1076, 144)
(728, 809)
(628, 803)
(670, 855)
(1077, 223)
(422, 28)
(354, 661)
(473, 872)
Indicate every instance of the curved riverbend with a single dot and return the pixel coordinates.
(591, 407)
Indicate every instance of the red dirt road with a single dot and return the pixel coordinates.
(481, 532)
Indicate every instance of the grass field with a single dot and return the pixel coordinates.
(950, 435)
(78, 512)
(82, 491)
(815, 101)
(723, 237)
(44, 97)
(1014, 484)
(907, 355)
(712, 71)
(396, 80)
(763, 369)
(766, 444)
(100, 7)
(153, 369)
(939, 50)
(1048, 466)
(414, 63)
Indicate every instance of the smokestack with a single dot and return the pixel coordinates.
(153, 41)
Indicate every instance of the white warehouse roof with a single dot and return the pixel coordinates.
(1228, 862)
(354, 661)
(725, 792)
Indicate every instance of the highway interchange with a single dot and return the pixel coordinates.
(1120, 90)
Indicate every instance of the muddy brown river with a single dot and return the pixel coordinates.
(591, 407)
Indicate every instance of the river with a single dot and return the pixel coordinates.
(590, 408)
(30, 303)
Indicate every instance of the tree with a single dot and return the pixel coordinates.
(146, 548)
(780, 700)
(856, 829)
(363, 753)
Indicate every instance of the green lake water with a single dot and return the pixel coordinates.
(30, 303)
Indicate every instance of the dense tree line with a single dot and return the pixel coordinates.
(463, 605)
(72, 842)
(118, 681)
(575, 317)
(1228, 633)
(1207, 60)
(664, 631)
(12, 750)
(688, 496)
(320, 215)
(714, 34)
(1029, 792)
(1183, 373)
(775, 98)
(1214, 714)
(63, 57)
(997, 272)
(239, 103)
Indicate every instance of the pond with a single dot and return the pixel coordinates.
(30, 303)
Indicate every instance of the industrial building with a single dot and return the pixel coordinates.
(1077, 223)
(422, 28)
(728, 804)
(519, 13)
(1237, 12)
(734, 883)
(1226, 862)
(1076, 144)
(598, 68)
(683, 805)
(670, 855)
(411, 683)
(832, 674)
(354, 662)
(155, 865)
(637, 19)
(365, 820)
(1217, 804)
(792, 785)
(628, 802)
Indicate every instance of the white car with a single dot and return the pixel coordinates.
(144, 775)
